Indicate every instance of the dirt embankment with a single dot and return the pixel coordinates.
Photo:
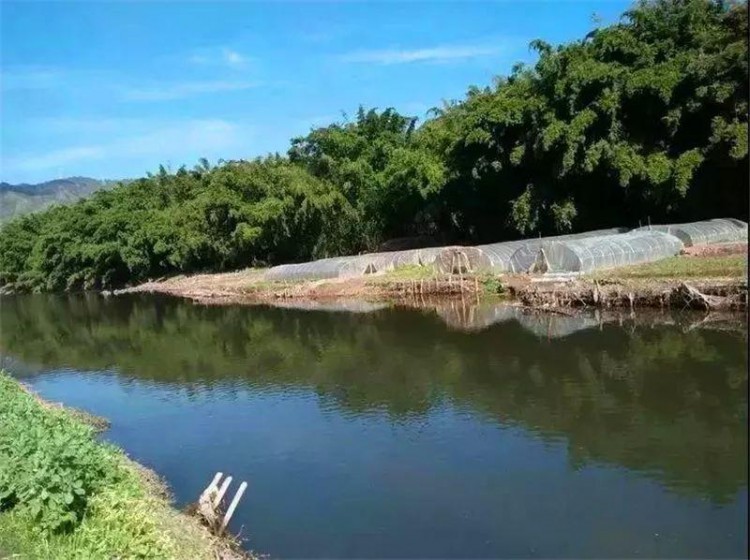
(705, 294)
(248, 287)
(716, 250)
(710, 278)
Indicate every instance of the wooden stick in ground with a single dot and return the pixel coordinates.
(206, 507)
(222, 491)
(233, 505)
(213, 486)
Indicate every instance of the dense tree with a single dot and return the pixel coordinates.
(644, 119)
(389, 179)
(236, 214)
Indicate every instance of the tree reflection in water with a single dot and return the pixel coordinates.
(652, 394)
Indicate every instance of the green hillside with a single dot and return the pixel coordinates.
(646, 119)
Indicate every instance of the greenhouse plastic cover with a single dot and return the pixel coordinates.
(355, 265)
(593, 253)
(579, 252)
(720, 230)
(499, 254)
(315, 270)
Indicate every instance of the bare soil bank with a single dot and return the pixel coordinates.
(706, 294)
(226, 288)
(698, 281)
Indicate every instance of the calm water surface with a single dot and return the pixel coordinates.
(394, 433)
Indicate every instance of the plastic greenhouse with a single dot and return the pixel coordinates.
(720, 230)
(499, 254)
(594, 253)
(578, 252)
(315, 270)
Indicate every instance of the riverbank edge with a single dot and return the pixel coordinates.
(186, 532)
(712, 294)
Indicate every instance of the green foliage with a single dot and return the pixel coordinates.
(646, 118)
(63, 495)
(234, 215)
(390, 181)
(49, 464)
(492, 286)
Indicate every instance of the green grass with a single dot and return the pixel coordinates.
(681, 267)
(492, 286)
(64, 495)
(406, 273)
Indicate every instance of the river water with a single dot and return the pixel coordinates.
(449, 432)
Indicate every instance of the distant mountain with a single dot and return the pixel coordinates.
(16, 200)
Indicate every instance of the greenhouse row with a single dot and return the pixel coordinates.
(573, 253)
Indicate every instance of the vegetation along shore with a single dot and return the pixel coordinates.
(645, 120)
(609, 173)
(710, 283)
(65, 495)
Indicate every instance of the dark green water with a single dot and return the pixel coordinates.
(395, 434)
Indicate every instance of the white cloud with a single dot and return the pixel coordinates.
(444, 53)
(222, 56)
(233, 58)
(193, 135)
(169, 92)
(151, 142)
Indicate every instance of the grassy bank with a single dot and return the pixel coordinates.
(683, 268)
(63, 494)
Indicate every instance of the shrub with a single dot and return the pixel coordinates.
(66, 496)
(50, 464)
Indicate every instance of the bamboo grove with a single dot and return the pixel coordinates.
(646, 119)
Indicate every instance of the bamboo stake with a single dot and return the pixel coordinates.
(215, 481)
(222, 491)
(233, 505)
(206, 505)
(213, 486)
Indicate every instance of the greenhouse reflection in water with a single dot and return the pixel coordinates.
(450, 431)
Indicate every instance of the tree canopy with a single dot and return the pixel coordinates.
(643, 119)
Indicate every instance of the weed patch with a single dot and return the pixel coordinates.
(681, 267)
(64, 495)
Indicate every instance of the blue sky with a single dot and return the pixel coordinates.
(111, 90)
